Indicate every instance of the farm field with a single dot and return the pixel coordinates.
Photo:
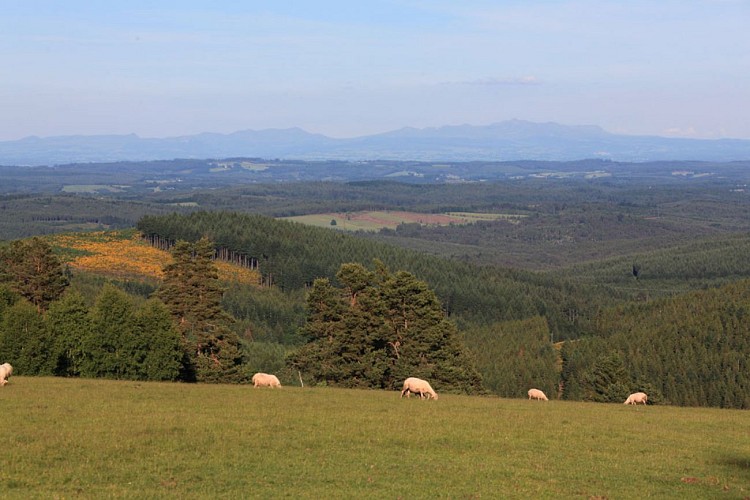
(96, 438)
(379, 219)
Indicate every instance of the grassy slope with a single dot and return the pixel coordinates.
(123, 254)
(95, 438)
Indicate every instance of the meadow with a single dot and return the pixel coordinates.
(82, 438)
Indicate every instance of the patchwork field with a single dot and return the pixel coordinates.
(376, 220)
(94, 438)
(93, 188)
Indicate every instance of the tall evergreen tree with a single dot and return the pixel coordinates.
(192, 293)
(33, 270)
(608, 380)
(429, 344)
(379, 329)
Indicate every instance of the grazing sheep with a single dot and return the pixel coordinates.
(636, 397)
(5, 372)
(265, 380)
(537, 394)
(418, 386)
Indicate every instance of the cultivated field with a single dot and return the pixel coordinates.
(66, 438)
(379, 219)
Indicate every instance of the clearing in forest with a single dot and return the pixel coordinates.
(124, 254)
(376, 220)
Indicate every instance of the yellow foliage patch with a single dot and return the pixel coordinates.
(117, 254)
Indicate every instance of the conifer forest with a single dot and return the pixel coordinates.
(588, 288)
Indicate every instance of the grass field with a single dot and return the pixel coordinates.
(379, 219)
(67, 438)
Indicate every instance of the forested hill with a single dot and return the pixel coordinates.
(621, 332)
(292, 255)
(692, 349)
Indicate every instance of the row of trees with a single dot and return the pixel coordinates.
(374, 332)
(116, 338)
(369, 328)
(292, 256)
(180, 333)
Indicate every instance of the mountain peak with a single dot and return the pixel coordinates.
(506, 140)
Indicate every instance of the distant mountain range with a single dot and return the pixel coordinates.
(504, 141)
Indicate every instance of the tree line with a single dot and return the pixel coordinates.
(686, 348)
(292, 256)
(47, 330)
(182, 332)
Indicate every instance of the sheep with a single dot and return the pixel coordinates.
(636, 397)
(5, 372)
(265, 380)
(418, 386)
(537, 394)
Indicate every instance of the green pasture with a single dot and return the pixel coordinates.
(72, 438)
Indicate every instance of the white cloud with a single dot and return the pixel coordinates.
(500, 81)
(681, 132)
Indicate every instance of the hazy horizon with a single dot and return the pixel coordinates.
(343, 69)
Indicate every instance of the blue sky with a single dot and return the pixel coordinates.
(347, 68)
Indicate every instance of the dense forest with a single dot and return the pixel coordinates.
(592, 290)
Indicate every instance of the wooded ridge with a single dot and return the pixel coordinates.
(591, 289)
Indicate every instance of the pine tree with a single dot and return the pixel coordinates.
(325, 324)
(426, 344)
(192, 293)
(608, 381)
(33, 270)
(379, 329)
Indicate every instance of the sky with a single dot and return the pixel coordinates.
(347, 68)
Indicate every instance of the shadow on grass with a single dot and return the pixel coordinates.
(741, 463)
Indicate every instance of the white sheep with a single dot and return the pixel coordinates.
(418, 386)
(537, 394)
(5, 372)
(636, 397)
(265, 380)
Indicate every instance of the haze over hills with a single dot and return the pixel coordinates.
(503, 141)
